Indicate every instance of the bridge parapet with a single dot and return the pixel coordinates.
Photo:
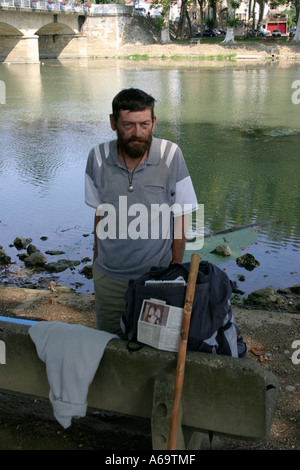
(50, 5)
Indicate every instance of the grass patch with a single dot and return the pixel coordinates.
(239, 40)
(219, 57)
(137, 57)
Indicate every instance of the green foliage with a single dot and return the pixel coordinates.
(231, 20)
(159, 21)
(209, 22)
(235, 4)
(292, 17)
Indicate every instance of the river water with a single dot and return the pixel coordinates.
(238, 127)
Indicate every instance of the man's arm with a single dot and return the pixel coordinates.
(178, 245)
(96, 221)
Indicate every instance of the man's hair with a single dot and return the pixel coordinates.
(132, 99)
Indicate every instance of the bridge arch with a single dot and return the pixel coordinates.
(9, 30)
(53, 39)
(55, 28)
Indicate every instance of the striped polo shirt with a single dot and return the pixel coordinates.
(135, 230)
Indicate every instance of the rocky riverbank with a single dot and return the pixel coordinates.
(40, 273)
(27, 423)
(269, 321)
(35, 267)
(255, 52)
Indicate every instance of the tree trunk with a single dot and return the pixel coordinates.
(229, 35)
(201, 17)
(261, 13)
(296, 37)
(165, 30)
(213, 6)
(189, 23)
(229, 38)
(182, 19)
(249, 16)
(253, 19)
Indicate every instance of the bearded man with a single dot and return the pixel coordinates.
(142, 191)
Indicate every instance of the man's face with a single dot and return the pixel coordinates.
(134, 131)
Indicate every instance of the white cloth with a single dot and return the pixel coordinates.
(72, 354)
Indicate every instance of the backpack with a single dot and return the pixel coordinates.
(212, 328)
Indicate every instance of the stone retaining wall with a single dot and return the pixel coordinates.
(248, 52)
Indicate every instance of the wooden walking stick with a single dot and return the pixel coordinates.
(184, 333)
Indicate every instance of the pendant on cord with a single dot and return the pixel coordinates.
(130, 174)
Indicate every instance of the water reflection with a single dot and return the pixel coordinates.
(238, 129)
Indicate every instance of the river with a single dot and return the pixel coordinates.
(238, 127)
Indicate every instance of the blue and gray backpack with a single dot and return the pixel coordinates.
(212, 328)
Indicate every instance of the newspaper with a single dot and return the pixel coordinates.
(159, 325)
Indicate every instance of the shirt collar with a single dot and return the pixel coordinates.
(153, 157)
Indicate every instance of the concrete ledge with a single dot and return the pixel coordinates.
(221, 394)
(249, 56)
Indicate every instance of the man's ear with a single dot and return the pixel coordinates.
(112, 122)
(153, 122)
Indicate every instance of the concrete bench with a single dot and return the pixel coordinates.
(226, 395)
(195, 41)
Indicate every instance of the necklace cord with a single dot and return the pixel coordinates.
(130, 173)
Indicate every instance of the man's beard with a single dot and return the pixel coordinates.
(133, 150)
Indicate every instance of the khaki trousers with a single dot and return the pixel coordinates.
(109, 302)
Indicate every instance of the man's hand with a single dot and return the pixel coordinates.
(178, 245)
(96, 221)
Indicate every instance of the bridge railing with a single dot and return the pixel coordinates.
(47, 4)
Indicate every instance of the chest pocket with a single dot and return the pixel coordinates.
(158, 194)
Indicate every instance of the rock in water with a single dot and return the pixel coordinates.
(223, 250)
(4, 258)
(247, 261)
(21, 242)
(36, 259)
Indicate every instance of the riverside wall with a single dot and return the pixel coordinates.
(260, 52)
(115, 31)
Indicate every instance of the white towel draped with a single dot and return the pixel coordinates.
(72, 354)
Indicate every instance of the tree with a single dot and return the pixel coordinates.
(296, 4)
(296, 37)
(201, 4)
(165, 24)
(231, 21)
(213, 6)
(261, 12)
(165, 29)
(182, 19)
(164, 20)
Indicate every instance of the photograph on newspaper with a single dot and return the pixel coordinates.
(159, 325)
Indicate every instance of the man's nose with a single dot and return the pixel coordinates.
(137, 131)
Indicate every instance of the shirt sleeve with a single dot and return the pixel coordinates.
(185, 201)
(92, 195)
(185, 198)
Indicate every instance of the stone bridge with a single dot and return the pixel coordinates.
(39, 30)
